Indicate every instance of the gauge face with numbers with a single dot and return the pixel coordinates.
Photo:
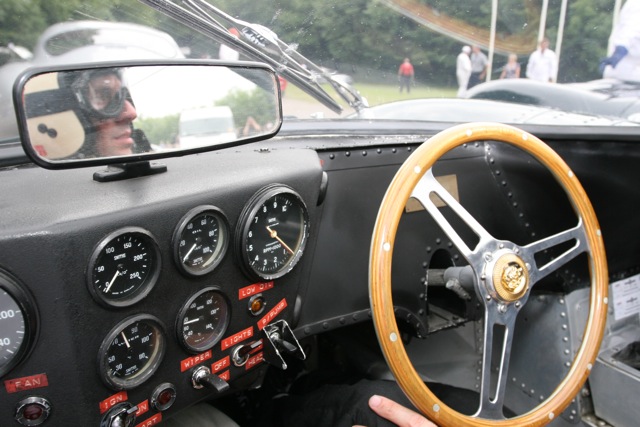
(275, 229)
(203, 320)
(132, 352)
(200, 240)
(124, 267)
(17, 321)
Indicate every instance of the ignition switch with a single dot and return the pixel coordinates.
(121, 415)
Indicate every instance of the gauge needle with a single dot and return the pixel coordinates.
(106, 290)
(191, 321)
(186, 257)
(126, 341)
(274, 235)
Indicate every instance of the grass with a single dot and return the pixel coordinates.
(380, 93)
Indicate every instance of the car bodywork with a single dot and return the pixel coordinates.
(605, 101)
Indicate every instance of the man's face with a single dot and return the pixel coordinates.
(114, 134)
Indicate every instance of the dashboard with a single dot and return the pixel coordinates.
(118, 292)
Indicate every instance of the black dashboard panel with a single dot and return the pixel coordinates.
(47, 237)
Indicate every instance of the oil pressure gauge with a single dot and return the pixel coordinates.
(200, 240)
(274, 228)
(124, 267)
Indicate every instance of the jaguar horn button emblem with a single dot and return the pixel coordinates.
(510, 277)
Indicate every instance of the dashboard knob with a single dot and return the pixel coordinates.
(202, 377)
(32, 411)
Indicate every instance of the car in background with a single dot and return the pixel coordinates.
(80, 42)
(202, 126)
(473, 110)
(568, 98)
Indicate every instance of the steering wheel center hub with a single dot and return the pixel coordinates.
(510, 277)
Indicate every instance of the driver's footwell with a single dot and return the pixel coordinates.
(347, 405)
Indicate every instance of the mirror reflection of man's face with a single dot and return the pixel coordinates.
(113, 135)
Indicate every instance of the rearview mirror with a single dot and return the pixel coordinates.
(123, 113)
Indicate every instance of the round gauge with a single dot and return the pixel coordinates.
(200, 240)
(274, 227)
(132, 352)
(203, 320)
(17, 321)
(124, 267)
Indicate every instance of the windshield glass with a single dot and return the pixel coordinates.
(549, 62)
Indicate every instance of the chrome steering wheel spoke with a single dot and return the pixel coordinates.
(576, 234)
(422, 192)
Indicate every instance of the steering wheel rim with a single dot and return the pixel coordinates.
(400, 190)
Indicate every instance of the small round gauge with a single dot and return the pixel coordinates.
(124, 267)
(132, 352)
(17, 322)
(200, 240)
(274, 227)
(203, 320)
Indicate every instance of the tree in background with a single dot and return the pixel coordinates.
(325, 31)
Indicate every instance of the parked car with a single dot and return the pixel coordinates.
(475, 262)
(202, 126)
(568, 98)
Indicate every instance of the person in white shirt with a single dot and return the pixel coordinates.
(624, 61)
(543, 63)
(463, 70)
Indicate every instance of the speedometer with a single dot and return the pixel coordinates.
(274, 227)
(124, 267)
(17, 322)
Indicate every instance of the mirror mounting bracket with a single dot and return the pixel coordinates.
(128, 170)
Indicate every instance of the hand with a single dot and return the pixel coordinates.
(619, 53)
(397, 414)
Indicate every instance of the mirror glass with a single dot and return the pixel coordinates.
(116, 112)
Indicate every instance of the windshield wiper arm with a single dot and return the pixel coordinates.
(261, 44)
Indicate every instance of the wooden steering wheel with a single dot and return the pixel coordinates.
(504, 274)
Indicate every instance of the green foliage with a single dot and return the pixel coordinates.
(585, 39)
(244, 104)
(21, 21)
(162, 131)
(363, 38)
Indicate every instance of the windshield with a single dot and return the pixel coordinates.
(366, 60)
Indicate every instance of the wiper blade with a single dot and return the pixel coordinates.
(261, 44)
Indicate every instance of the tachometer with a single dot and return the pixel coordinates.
(200, 240)
(132, 352)
(274, 227)
(124, 267)
(203, 319)
(17, 322)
